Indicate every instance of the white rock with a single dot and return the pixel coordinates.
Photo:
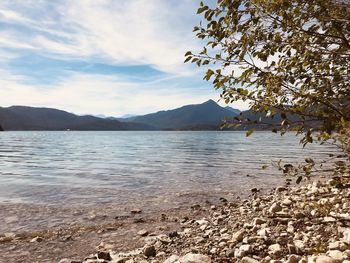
(287, 202)
(337, 245)
(299, 244)
(202, 222)
(346, 235)
(194, 258)
(329, 219)
(336, 254)
(249, 260)
(263, 232)
(325, 259)
(242, 251)
(275, 249)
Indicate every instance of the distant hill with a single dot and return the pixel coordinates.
(207, 115)
(30, 118)
(233, 110)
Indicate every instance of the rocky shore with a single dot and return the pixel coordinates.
(308, 223)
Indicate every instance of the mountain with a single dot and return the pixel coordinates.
(233, 110)
(127, 116)
(207, 115)
(30, 118)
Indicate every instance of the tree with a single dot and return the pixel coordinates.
(286, 57)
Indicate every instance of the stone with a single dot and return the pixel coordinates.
(275, 249)
(281, 189)
(243, 250)
(136, 211)
(172, 259)
(149, 251)
(202, 222)
(104, 255)
(287, 202)
(173, 234)
(238, 236)
(36, 239)
(325, 259)
(164, 239)
(299, 245)
(276, 207)
(346, 235)
(230, 253)
(258, 221)
(263, 232)
(293, 259)
(329, 219)
(249, 260)
(254, 190)
(337, 245)
(10, 235)
(299, 215)
(194, 258)
(336, 254)
(143, 233)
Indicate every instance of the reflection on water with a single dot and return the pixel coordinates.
(89, 168)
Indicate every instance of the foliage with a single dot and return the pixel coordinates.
(286, 58)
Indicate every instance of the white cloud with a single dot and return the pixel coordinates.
(153, 32)
(83, 94)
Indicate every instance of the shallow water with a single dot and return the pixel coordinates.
(91, 168)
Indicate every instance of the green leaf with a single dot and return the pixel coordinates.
(187, 59)
(250, 132)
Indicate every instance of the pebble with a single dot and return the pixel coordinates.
(36, 239)
(143, 233)
(249, 260)
(276, 207)
(238, 236)
(149, 251)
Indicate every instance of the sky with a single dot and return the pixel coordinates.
(109, 57)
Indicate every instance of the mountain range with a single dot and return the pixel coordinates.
(205, 116)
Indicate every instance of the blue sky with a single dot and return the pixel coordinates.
(108, 57)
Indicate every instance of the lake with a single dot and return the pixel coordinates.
(92, 168)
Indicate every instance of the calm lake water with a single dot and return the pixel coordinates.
(91, 168)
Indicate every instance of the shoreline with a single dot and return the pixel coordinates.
(308, 223)
(85, 228)
(279, 224)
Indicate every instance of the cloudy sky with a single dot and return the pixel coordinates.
(109, 57)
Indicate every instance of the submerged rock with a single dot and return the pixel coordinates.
(149, 251)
